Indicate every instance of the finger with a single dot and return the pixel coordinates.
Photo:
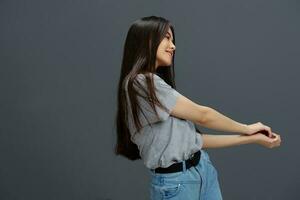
(269, 131)
(265, 128)
(274, 135)
(279, 138)
(277, 143)
(271, 140)
(274, 139)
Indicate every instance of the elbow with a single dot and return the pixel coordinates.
(204, 115)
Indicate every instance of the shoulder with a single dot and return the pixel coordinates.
(141, 81)
(156, 79)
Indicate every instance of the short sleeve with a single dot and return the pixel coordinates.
(164, 93)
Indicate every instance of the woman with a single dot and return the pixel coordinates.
(156, 123)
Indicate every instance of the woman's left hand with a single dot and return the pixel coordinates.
(259, 127)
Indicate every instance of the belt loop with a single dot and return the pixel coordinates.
(183, 166)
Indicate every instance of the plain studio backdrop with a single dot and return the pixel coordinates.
(60, 64)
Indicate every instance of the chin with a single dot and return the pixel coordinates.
(167, 63)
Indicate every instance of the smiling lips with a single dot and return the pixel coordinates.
(170, 53)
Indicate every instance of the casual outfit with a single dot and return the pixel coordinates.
(170, 148)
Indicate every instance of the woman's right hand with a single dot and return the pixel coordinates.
(269, 142)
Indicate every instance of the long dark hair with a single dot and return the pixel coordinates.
(139, 57)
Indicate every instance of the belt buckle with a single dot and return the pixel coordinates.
(193, 162)
(193, 159)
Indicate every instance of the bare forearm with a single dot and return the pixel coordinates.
(215, 120)
(219, 141)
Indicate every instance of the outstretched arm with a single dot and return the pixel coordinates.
(211, 118)
(216, 120)
(219, 141)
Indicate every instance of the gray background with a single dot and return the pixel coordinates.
(60, 64)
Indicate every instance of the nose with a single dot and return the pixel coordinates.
(173, 47)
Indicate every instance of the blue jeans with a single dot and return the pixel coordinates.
(196, 183)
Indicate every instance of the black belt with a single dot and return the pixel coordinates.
(177, 167)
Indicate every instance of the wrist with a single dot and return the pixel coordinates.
(252, 139)
(246, 129)
(248, 139)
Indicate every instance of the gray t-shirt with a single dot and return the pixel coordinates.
(170, 139)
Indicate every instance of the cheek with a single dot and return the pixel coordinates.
(159, 53)
(161, 50)
(162, 55)
(162, 46)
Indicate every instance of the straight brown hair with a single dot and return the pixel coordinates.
(139, 57)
